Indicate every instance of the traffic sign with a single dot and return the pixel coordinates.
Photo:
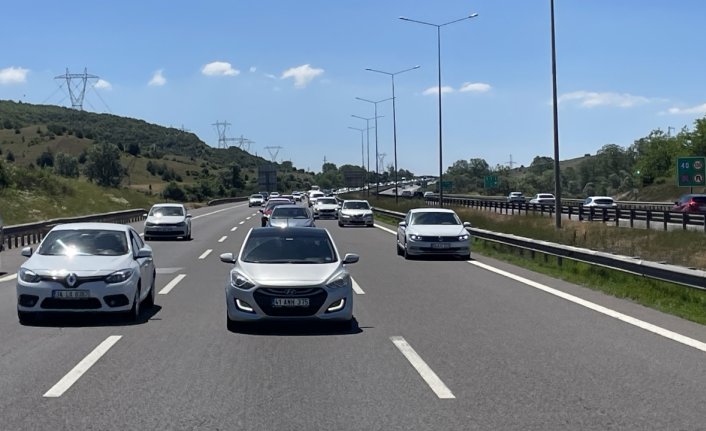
(491, 182)
(691, 171)
(447, 185)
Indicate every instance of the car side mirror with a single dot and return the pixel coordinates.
(466, 224)
(188, 215)
(144, 215)
(350, 258)
(27, 252)
(260, 210)
(227, 258)
(144, 253)
(402, 224)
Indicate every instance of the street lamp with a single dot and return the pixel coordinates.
(394, 121)
(557, 176)
(438, 50)
(367, 128)
(377, 156)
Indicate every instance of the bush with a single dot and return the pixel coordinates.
(174, 192)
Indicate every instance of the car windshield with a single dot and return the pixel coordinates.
(85, 242)
(435, 218)
(603, 201)
(167, 211)
(356, 205)
(327, 201)
(300, 213)
(302, 249)
(545, 197)
(255, 196)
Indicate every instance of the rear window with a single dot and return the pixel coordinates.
(328, 201)
(166, 211)
(289, 213)
(699, 199)
(604, 201)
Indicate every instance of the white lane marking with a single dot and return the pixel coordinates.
(216, 212)
(168, 288)
(696, 344)
(142, 234)
(86, 363)
(205, 253)
(8, 277)
(223, 238)
(356, 288)
(242, 222)
(234, 229)
(429, 376)
(254, 214)
(385, 229)
(248, 218)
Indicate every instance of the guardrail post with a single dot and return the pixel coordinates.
(665, 219)
(684, 220)
(617, 216)
(632, 217)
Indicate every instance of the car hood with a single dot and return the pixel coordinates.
(356, 212)
(437, 230)
(83, 266)
(326, 206)
(165, 219)
(288, 274)
(291, 222)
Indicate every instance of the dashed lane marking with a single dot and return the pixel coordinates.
(205, 253)
(429, 376)
(223, 238)
(168, 288)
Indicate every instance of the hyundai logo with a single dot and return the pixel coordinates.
(290, 292)
(71, 280)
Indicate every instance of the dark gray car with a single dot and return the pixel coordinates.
(291, 216)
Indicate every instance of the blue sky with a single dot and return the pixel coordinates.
(286, 73)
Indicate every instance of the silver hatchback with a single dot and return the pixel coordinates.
(289, 274)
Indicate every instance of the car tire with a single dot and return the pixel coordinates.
(148, 238)
(344, 326)
(188, 236)
(149, 300)
(406, 254)
(399, 249)
(231, 325)
(340, 224)
(134, 314)
(26, 317)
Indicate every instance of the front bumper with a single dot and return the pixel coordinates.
(166, 231)
(430, 248)
(41, 296)
(361, 220)
(259, 299)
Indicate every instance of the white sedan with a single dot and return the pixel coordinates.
(168, 220)
(86, 267)
(433, 231)
(543, 199)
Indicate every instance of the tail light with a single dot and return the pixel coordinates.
(693, 204)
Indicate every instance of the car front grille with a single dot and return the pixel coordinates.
(71, 304)
(439, 238)
(79, 280)
(263, 297)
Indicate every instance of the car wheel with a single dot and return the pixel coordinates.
(340, 224)
(399, 248)
(134, 314)
(149, 301)
(188, 236)
(26, 317)
(406, 254)
(231, 325)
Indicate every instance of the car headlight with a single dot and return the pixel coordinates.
(119, 276)
(150, 224)
(340, 279)
(370, 216)
(240, 281)
(463, 237)
(414, 237)
(181, 224)
(29, 276)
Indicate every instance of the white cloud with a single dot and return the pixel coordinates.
(435, 90)
(103, 84)
(219, 68)
(13, 75)
(271, 76)
(474, 87)
(698, 110)
(158, 79)
(302, 75)
(253, 69)
(590, 99)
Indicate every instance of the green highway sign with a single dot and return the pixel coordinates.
(691, 171)
(491, 181)
(447, 185)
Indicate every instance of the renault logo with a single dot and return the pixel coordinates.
(71, 280)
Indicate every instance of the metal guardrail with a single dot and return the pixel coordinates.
(227, 200)
(649, 217)
(655, 206)
(671, 273)
(31, 233)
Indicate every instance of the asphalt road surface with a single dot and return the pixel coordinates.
(438, 345)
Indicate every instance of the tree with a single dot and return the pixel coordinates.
(66, 165)
(133, 149)
(45, 159)
(10, 157)
(174, 192)
(103, 165)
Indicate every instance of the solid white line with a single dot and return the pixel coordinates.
(168, 288)
(216, 212)
(205, 253)
(385, 229)
(86, 363)
(429, 376)
(8, 277)
(234, 229)
(356, 288)
(223, 238)
(600, 309)
(242, 222)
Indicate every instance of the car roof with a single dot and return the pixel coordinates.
(93, 226)
(263, 232)
(167, 205)
(600, 197)
(356, 200)
(431, 210)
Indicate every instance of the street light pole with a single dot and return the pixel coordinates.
(367, 128)
(438, 48)
(394, 119)
(377, 154)
(557, 176)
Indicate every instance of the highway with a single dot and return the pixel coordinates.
(438, 345)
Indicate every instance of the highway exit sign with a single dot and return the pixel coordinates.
(691, 171)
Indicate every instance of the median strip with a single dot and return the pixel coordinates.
(429, 376)
(205, 253)
(80, 369)
(168, 288)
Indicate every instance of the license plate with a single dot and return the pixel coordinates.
(290, 302)
(70, 294)
(439, 245)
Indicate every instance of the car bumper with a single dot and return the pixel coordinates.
(356, 220)
(166, 231)
(259, 300)
(41, 297)
(426, 248)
